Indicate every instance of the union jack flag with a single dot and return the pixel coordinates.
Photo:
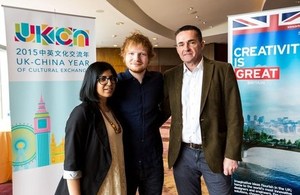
(266, 22)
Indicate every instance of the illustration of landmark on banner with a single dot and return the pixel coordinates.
(34, 145)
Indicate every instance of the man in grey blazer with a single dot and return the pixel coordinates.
(203, 99)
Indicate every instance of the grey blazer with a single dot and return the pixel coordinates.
(221, 118)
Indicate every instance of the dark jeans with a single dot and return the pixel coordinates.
(147, 181)
(188, 169)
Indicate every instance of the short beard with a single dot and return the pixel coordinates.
(137, 71)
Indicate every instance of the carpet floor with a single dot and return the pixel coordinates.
(6, 188)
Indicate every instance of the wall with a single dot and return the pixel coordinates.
(164, 59)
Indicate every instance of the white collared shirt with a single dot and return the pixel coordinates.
(191, 100)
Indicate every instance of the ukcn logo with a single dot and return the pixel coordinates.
(49, 35)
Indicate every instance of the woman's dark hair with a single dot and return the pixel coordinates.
(88, 91)
(190, 27)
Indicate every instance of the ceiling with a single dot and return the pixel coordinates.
(157, 19)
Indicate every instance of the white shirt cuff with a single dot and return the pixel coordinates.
(72, 174)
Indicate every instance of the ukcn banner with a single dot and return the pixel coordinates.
(264, 49)
(48, 54)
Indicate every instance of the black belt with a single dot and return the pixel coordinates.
(192, 146)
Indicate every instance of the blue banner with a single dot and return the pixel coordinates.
(264, 49)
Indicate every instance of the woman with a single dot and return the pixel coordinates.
(94, 161)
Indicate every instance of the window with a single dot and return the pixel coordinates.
(5, 124)
(4, 91)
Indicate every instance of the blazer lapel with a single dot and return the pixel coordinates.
(208, 68)
(175, 79)
(178, 85)
(101, 130)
